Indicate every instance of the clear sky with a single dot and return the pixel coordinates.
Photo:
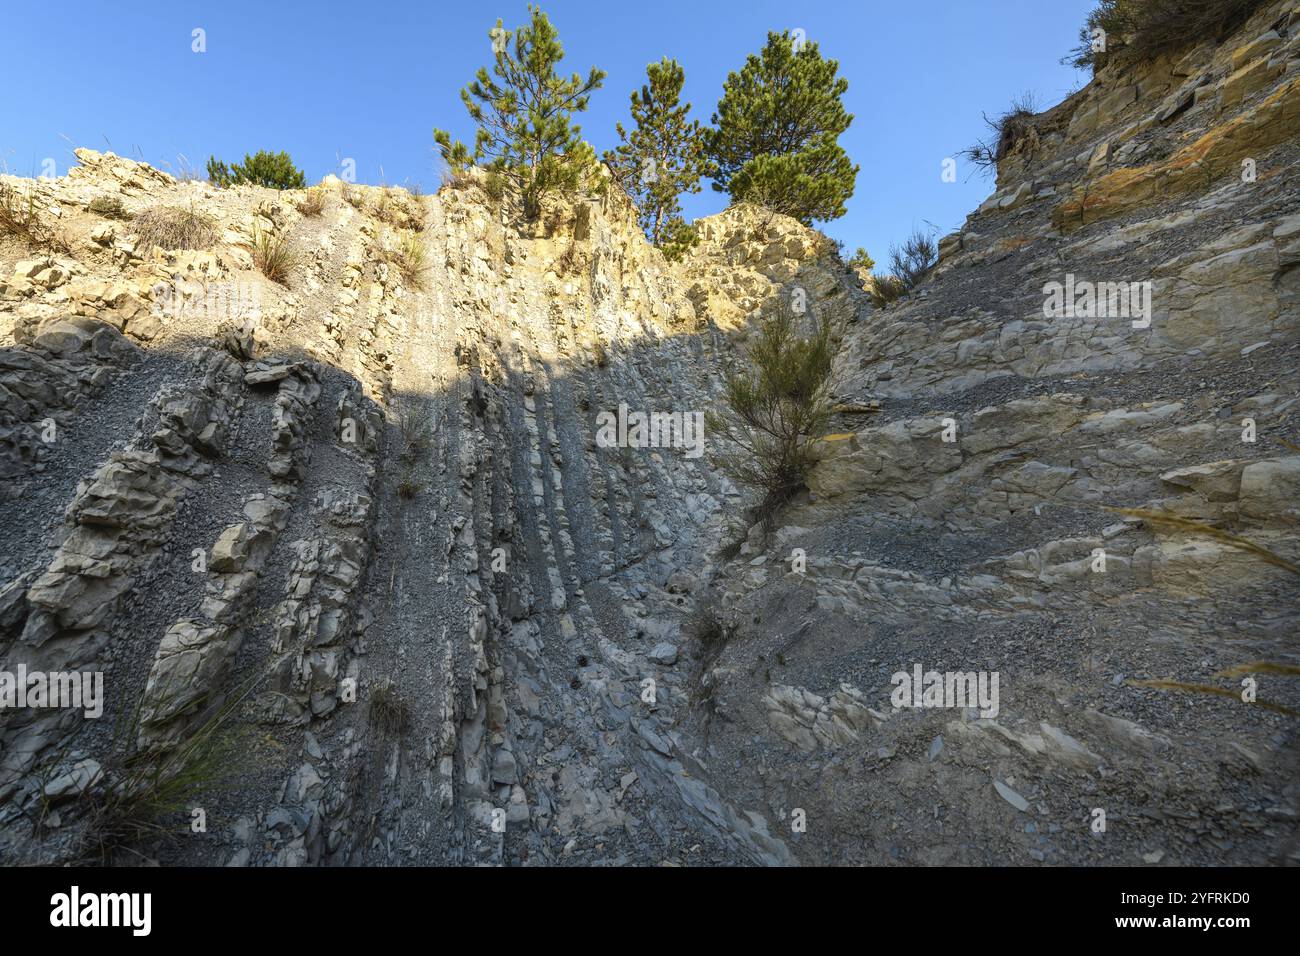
(329, 80)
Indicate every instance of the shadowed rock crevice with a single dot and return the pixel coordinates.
(367, 521)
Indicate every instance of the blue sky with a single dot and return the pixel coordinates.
(328, 80)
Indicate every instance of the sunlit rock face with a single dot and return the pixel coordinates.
(351, 549)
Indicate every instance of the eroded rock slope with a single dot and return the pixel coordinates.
(363, 515)
(980, 553)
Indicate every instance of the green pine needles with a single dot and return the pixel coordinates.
(274, 170)
(774, 140)
(524, 112)
(661, 158)
(776, 130)
(774, 412)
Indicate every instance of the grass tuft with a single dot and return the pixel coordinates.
(110, 207)
(141, 788)
(273, 255)
(389, 714)
(172, 227)
(408, 487)
(415, 422)
(312, 203)
(20, 218)
(885, 290)
(409, 257)
(1144, 29)
(353, 196)
(711, 635)
(706, 626)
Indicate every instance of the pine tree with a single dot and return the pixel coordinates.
(275, 170)
(772, 415)
(524, 116)
(862, 261)
(774, 141)
(661, 158)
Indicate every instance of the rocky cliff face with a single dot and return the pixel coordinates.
(366, 515)
(366, 519)
(980, 553)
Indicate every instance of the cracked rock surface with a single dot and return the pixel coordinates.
(365, 519)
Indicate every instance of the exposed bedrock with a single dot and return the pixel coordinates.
(356, 535)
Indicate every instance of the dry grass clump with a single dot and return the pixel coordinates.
(17, 212)
(409, 486)
(312, 203)
(1148, 28)
(110, 207)
(173, 227)
(389, 714)
(408, 256)
(273, 255)
(886, 290)
(140, 788)
(710, 633)
(455, 179)
(494, 185)
(706, 625)
(415, 423)
(20, 218)
(1011, 130)
(571, 261)
(399, 210)
(352, 196)
(184, 171)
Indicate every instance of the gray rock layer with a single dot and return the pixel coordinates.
(362, 523)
